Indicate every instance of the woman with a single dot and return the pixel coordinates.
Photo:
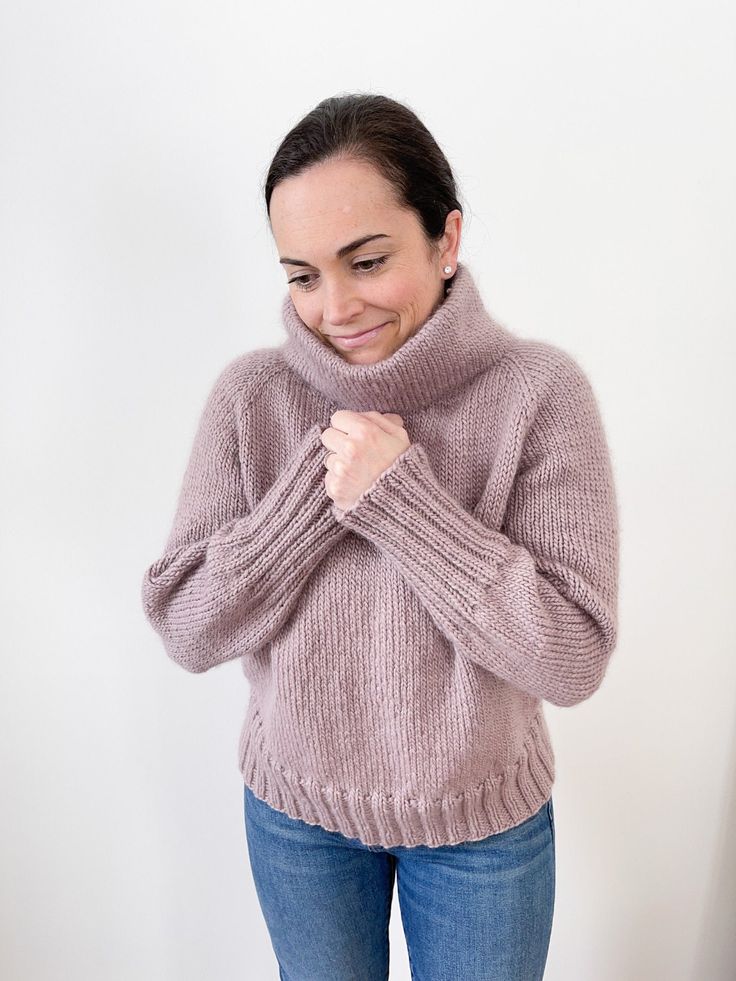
(403, 522)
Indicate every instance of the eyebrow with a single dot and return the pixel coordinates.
(341, 252)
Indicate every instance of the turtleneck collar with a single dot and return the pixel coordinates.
(459, 340)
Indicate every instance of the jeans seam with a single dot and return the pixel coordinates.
(551, 818)
(387, 918)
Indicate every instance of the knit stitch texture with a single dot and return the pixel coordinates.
(399, 652)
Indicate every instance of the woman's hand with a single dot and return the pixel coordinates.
(363, 445)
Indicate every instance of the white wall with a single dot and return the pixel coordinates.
(594, 145)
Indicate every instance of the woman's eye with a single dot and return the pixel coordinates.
(302, 282)
(371, 263)
(299, 281)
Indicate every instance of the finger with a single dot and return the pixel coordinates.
(334, 439)
(344, 419)
(381, 419)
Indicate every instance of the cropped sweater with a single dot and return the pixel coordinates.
(398, 652)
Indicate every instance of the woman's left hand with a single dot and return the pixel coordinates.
(363, 445)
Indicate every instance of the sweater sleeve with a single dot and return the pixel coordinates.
(230, 575)
(536, 603)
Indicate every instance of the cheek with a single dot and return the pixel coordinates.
(411, 312)
(399, 302)
(307, 310)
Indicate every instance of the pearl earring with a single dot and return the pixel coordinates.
(448, 269)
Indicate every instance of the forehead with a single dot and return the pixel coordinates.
(331, 200)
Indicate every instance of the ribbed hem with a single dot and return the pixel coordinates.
(491, 806)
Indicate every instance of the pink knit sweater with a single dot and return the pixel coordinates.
(399, 652)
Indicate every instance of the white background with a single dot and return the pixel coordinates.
(594, 147)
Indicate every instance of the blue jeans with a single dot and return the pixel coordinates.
(475, 911)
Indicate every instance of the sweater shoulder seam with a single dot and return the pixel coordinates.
(248, 378)
(556, 361)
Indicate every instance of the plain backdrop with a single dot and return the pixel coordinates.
(594, 147)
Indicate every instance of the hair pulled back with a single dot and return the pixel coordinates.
(384, 133)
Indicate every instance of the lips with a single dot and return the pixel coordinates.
(356, 340)
(349, 337)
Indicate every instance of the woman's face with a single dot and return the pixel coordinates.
(341, 288)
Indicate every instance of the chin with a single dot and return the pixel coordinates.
(366, 357)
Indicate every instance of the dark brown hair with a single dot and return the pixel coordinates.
(384, 133)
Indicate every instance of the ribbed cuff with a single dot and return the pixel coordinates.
(447, 553)
(291, 524)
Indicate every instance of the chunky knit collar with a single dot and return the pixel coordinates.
(459, 340)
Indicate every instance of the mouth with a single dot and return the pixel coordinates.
(356, 340)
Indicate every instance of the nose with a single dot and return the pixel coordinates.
(340, 306)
